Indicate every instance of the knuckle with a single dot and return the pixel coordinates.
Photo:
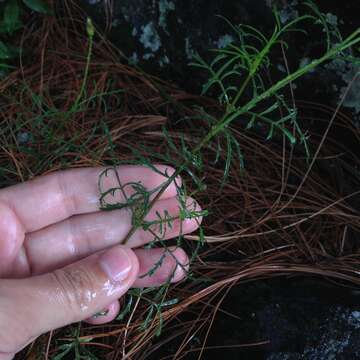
(68, 200)
(77, 287)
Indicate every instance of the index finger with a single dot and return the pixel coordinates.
(52, 198)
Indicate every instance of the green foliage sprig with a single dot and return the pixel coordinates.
(237, 74)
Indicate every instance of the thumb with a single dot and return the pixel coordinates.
(39, 304)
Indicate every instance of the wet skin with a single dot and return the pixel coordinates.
(60, 258)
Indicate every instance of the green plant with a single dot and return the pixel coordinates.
(238, 75)
(74, 348)
(71, 123)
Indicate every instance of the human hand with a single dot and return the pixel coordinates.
(59, 258)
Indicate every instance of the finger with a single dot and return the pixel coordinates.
(159, 266)
(55, 197)
(68, 295)
(172, 265)
(11, 238)
(105, 316)
(82, 235)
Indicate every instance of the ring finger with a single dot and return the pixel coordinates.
(80, 236)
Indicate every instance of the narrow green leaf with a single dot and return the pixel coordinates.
(289, 135)
(6, 67)
(126, 310)
(4, 52)
(39, 6)
(228, 157)
(11, 19)
(7, 52)
(65, 349)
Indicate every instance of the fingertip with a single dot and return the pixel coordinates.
(192, 204)
(11, 234)
(181, 266)
(173, 267)
(191, 224)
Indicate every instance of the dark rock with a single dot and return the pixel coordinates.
(162, 36)
(301, 319)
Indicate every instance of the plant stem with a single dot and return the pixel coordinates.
(230, 115)
(90, 32)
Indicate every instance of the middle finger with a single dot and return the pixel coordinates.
(80, 236)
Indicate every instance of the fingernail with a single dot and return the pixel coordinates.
(116, 263)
